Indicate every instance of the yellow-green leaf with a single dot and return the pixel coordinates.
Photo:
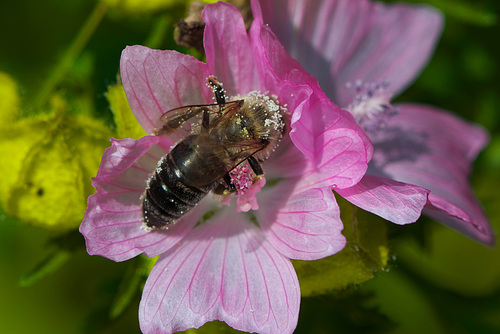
(9, 99)
(366, 252)
(51, 159)
(126, 123)
(140, 7)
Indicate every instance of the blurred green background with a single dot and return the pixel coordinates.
(437, 281)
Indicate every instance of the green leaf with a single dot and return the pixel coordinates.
(366, 253)
(51, 263)
(51, 159)
(348, 312)
(130, 286)
(215, 327)
(405, 303)
(453, 261)
(126, 123)
(63, 248)
(465, 11)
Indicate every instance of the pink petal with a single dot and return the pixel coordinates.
(395, 47)
(462, 213)
(302, 225)
(289, 162)
(112, 226)
(339, 150)
(156, 81)
(397, 202)
(282, 75)
(224, 270)
(314, 32)
(228, 49)
(286, 162)
(322, 131)
(356, 39)
(431, 148)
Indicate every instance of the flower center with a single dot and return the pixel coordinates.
(241, 179)
(371, 106)
(247, 185)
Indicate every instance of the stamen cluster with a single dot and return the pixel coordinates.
(242, 178)
(371, 106)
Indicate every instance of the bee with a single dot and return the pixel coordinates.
(218, 137)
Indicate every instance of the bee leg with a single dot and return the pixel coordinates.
(206, 120)
(224, 187)
(216, 87)
(256, 167)
(230, 186)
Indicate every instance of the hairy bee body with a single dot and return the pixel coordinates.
(230, 134)
(181, 180)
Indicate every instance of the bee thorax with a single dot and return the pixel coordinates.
(263, 118)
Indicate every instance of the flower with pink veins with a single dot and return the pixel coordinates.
(219, 262)
(364, 53)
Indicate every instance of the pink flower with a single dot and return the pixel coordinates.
(363, 54)
(217, 263)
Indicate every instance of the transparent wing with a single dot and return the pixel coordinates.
(232, 154)
(193, 119)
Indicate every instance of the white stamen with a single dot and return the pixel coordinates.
(371, 106)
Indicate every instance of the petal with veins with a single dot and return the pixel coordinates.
(156, 81)
(356, 40)
(225, 271)
(228, 49)
(431, 148)
(316, 122)
(397, 202)
(306, 225)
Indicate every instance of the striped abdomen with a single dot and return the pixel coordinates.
(177, 185)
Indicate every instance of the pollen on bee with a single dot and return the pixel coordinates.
(144, 225)
(272, 109)
(159, 163)
(216, 87)
(148, 181)
(146, 228)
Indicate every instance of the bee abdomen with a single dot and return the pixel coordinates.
(167, 197)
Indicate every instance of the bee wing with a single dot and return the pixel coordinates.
(192, 119)
(231, 153)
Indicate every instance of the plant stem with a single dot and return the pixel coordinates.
(70, 55)
(157, 34)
